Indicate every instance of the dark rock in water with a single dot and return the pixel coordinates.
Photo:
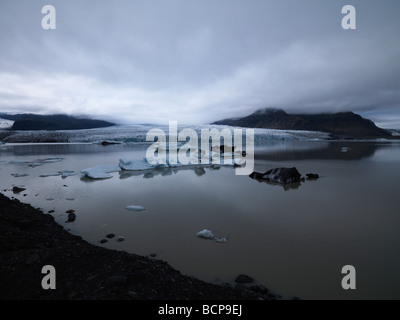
(199, 171)
(312, 176)
(110, 236)
(153, 255)
(51, 211)
(103, 240)
(279, 175)
(242, 278)
(71, 217)
(106, 143)
(121, 238)
(70, 211)
(18, 189)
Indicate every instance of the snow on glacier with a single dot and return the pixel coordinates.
(137, 133)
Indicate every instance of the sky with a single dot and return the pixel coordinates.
(199, 61)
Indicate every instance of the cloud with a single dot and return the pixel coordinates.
(153, 61)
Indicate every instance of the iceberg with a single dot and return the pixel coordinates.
(209, 235)
(53, 174)
(135, 208)
(206, 234)
(135, 165)
(67, 173)
(50, 160)
(101, 172)
(21, 162)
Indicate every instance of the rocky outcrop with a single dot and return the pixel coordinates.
(278, 175)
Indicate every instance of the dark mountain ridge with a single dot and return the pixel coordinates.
(339, 125)
(27, 121)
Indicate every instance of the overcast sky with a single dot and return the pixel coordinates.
(198, 61)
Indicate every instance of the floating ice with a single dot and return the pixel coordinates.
(53, 174)
(221, 240)
(135, 208)
(101, 172)
(67, 173)
(50, 160)
(209, 235)
(344, 149)
(34, 164)
(20, 161)
(134, 165)
(206, 234)
(18, 175)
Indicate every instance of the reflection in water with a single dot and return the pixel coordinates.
(164, 172)
(337, 150)
(286, 186)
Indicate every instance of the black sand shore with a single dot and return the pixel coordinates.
(30, 239)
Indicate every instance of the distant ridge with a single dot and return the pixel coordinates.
(339, 125)
(29, 121)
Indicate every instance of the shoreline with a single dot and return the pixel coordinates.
(31, 239)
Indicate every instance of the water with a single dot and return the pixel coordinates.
(294, 240)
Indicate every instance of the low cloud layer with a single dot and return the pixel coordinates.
(152, 61)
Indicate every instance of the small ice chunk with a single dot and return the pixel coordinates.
(206, 234)
(20, 161)
(221, 240)
(18, 175)
(134, 165)
(135, 208)
(344, 149)
(67, 173)
(101, 172)
(50, 160)
(34, 164)
(53, 174)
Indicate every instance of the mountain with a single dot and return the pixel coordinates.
(339, 125)
(52, 122)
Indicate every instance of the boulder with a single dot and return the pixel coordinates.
(278, 175)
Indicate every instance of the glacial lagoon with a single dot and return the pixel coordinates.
(294, 239)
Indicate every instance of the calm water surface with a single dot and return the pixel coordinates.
(294, 240)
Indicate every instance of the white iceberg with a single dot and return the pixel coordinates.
(206, 234)
(101, 172)
(135, 165)
(53, 174)
(135, 208)
(209, 235)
